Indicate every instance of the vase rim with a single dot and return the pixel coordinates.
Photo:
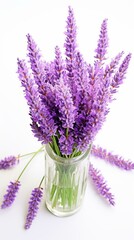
(63, 160)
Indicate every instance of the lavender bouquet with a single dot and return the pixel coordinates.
(69, 99)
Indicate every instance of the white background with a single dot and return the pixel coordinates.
(45, 21)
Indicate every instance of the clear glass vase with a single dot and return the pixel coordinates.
(65, 182)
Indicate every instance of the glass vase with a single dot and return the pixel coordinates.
(65, 182)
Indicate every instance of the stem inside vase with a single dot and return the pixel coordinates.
(66, 181)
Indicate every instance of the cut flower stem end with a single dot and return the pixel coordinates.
(66, 180)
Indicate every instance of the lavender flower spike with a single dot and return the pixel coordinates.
(9, 198)
(113, 65)
(70, 48)
(39, 112)
(35, 199)
(64, 102)
(100, 184)
(120, 74)
(58, 63)
(112, 158)
(103, 42)
(37, 65)
(8, 162)
(37, 131)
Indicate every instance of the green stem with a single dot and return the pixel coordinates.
(41, 181)
(67, 130)
(56, 147)
(73, 154)
(29, 162)
(27, 154)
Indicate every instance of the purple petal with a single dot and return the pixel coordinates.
(9, 198)
(100, 184)
(114, 159)
(34, 202)
(8, 162)
(103, 42)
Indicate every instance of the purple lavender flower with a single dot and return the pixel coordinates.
(110, 69)
(66, 143)
(34, 202)
(81, 83)
(30, 89)
(120, 74)
(70, 44)
(103, 42)
(38, 111)
(112, 158)
(43, 73)
(69, 99)
(70, 48)
(84, 92)
(9, 198)
(93, 107)
(64, 103)
(38, 132)
(49, 76)
(8, 162)
(58, 64)
(99, 107)
(100, 184)
(100, 95)
(37, 65)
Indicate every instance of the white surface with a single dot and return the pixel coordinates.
(45, 21)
